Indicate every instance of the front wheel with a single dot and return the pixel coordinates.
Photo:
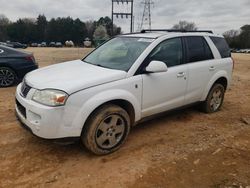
(106, 129)
(214, 99)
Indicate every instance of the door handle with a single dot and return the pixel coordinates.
(180, 74)
(212, 68)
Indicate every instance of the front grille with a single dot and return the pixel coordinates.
(25, 90)
(21, 108)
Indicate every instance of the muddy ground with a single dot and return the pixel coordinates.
(186, 148)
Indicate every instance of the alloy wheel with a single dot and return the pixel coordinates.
(7, 77)
(216, 99)
(110, 131)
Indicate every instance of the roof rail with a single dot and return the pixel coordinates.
(176, 30)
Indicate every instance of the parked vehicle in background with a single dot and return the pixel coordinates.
(246, 51)
(34, 44)
(3, 43)
(58, 45)
(16, 45)
(243, 51)
(233, 50)
(14, 65)
(240, 50)
(52, 44)
(87, 43)
(69, 43)
(43, 44)
(128, 78)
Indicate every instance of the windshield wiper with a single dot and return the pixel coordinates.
(99, 65)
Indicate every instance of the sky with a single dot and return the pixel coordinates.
(216, 15)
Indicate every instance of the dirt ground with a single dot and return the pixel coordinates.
(186, 148)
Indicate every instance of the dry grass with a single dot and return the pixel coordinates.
(184, 149)
(49, 56)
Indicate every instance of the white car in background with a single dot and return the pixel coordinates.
(248, 51)
(128, 78)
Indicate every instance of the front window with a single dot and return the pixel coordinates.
(119, 53)
(169, 52)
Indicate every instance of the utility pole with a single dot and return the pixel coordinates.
(123, 14)
(146, 16)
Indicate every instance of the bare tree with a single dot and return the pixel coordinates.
(90, 26)
(100, 33)
(232, 37)
(231, 33)
(185, 25)
(4, 20)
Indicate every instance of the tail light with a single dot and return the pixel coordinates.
(233, 63)
(30, 58)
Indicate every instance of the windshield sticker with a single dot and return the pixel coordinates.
(145, 40)
(1, 51)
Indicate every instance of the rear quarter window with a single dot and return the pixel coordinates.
(222, 46)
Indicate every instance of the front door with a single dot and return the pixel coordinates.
(165, 91)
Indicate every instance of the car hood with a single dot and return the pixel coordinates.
(72, 76)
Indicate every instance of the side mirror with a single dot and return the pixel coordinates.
(156, 67)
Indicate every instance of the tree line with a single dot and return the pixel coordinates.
(61, 29)
(238, 39)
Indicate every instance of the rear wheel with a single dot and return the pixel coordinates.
(214, 99)
(7, 77)
(106, 129)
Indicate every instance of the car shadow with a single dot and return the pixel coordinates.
(146, 127)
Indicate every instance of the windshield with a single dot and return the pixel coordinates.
(119, 53)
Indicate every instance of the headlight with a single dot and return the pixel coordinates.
(50, 97)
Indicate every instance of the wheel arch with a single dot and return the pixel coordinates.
(220, 77)
(9, 67)
(124, 104)
(223, 81)
(122, 98)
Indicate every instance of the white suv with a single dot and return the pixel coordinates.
(128, 78)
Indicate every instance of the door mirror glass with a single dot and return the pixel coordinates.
(156, 67)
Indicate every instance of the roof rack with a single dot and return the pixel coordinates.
(176, 30)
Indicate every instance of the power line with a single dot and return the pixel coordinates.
(146, 16)
(127, 13)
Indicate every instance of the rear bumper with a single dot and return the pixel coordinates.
(23, 71)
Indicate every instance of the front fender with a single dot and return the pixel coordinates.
(215, 77)
(103, 97)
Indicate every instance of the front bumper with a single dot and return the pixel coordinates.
(43, 121)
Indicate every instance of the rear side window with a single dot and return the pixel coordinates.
(222, 46)
(197, 49)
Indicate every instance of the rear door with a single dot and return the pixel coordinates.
(199, 59)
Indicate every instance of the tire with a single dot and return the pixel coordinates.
(214, 99)
(7, 77)
(106, 129)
